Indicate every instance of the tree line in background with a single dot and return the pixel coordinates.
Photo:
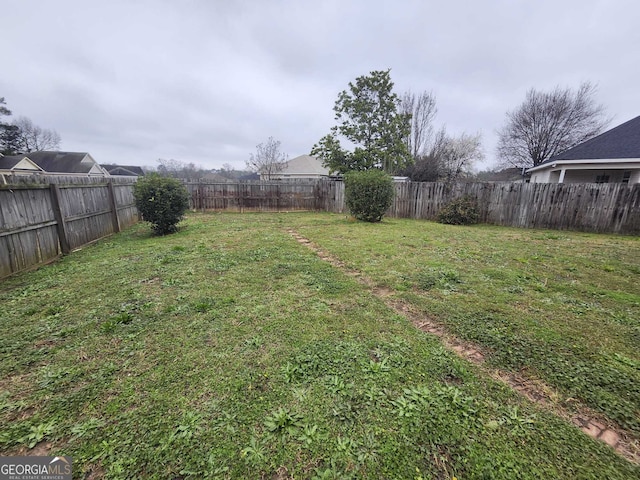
(393, 133)
(191, 171)
(398, 134)
(22, 136)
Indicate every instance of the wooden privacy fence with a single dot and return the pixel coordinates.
(603, 208)
(606, 208)
(256, 196)
(42, 217)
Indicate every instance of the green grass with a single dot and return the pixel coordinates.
(563, 306)
(228, 350)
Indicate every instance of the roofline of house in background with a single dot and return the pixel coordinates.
(557, 163)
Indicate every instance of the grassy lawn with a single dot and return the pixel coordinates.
(228, 350)
(563, 306)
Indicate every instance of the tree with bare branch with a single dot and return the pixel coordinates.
(547, 123)
(33, 138)
(459, 154)
(422, 110)
(268, 159)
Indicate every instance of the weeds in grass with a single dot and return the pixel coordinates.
(250, 357)
(37, 433)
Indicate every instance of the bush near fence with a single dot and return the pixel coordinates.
(42, 217)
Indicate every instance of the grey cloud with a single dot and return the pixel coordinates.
(206, 81)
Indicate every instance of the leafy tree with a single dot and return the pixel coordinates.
(370, 119)
(368, 194)
(4, 110)
(547, 123)
(162, 201)
(268, 159)
(8, 133)
(10, 142)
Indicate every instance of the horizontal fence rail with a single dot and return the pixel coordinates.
(255, 196)
(604, 208)
(43, 217)
(599, 208)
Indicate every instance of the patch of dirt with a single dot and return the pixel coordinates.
(42, 449)
(44, 343)
(95, 472)
(281, 474)
(592, 423)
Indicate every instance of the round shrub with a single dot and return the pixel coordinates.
(461, 211)
(368, 194)
(162, 201)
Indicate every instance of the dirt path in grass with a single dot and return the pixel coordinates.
(590, 422)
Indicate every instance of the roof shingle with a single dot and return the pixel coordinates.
(622, 141)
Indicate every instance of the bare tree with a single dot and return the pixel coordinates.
(459, 154)
(549, 123)
(33, 138)
(422, 109)
(268, 159)
(179, 169)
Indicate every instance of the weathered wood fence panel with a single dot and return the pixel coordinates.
(254, 196)
(613, 208)
(42, 217)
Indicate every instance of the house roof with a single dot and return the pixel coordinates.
(249, 177)
(215, 177)
(304, 164)
(63, 162)
(18, 162)
(125, 170)
(622, 141)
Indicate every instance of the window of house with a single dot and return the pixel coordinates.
(626, 176)
(602, 179)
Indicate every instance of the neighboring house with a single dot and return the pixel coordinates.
(215, 177)
(249, 177)
(304, 167)
(123, 170)
(68, 163)
(513, 174)
(18, 165)
(611, 157)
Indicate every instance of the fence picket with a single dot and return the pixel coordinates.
(40, 217)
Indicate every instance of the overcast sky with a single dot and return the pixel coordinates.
(206, 81)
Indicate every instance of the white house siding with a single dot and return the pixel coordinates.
(541, 176)
(587, 172)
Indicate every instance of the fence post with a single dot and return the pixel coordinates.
(114, 207)
(57, 212)
(201, 195)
